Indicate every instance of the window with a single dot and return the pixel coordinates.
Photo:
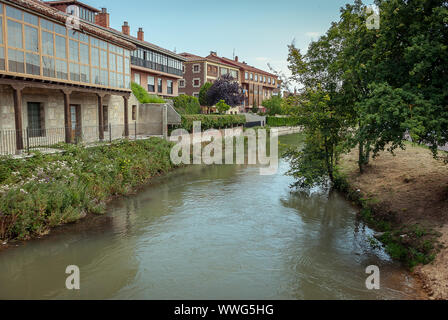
(273, 81)
(48, 67)
(159, 85)
(31, 39)
(74, 50)
(251, 76)
(137, 78)
(182, 83)
(246, 75)
(36, 119)
(16, 61)
(47, 43)
(15, 38)
(224, 71)
(264, 79)
(61, 70)
(2, 58)
(1, 29)
(256, 78)
(234, 74)
(169, 86)
(134, 112)
(196, 68)
(61, 51)
(74, 72)
(196, 82)
(14, 13)
(151, 84)
(269, 80)
(32, 64)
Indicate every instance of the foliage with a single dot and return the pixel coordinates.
(47, 190)
(227, 89)
(282, 121)
(222, 106)
(273, 105)
(203, 95)
(185, 104)
(212, 121)
(143, 96)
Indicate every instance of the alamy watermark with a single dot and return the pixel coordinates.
(222, 149)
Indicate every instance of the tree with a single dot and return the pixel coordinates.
(227, 89)
(203, 99)
(222, 106)
(273, 105)
(185, 104)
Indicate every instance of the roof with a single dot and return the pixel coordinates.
(241, 65)
(192, 57)
(68, 2)
(147, 44)
(48, 11)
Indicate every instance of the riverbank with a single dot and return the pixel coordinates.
(45, 191)
(405, 198)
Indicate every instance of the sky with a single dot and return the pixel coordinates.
(258, 31)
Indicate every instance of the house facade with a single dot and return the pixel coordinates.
(258, 85)
(60, 81)
(199, 70)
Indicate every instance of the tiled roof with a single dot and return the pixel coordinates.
(67, 2)
(147, 44)
(241, 65)
(192, 57)
(46, 10)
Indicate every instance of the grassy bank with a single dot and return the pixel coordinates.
(403, 197)
(44, 191)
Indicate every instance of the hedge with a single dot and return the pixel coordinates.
(282, 122)
(212, 121)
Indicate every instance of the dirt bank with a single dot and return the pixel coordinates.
(413, 188)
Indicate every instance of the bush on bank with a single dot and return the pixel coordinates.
(282, 121)
(48, 190)
(212, 121)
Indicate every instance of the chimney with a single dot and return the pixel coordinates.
(213, 53)
(140, 34)
(236, 58)
(126, 29)
(102, 18)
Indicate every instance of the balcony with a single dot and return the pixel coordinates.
(155, 66)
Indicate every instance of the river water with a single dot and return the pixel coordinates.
(209, 232)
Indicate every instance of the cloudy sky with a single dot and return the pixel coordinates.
(258, 31)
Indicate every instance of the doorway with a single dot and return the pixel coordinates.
(75, 115)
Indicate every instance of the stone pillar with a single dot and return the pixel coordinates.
(18, 115)
(100, 117)
(67, 116)
(126, 116)
(165, 121)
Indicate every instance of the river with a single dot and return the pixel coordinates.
(210, 232)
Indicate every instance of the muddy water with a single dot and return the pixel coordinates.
(216, 232)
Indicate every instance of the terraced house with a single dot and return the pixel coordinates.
(199, 70)
(258, 85)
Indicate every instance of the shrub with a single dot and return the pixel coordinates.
(48, 190)
(186, 104)
(143, 96)
(222, 106)
(282, 122)
(212, 121)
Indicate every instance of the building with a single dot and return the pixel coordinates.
(58, 80)
(156, 69)
(258, 85)
(199, 70)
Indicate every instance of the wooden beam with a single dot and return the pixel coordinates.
(18, 115)
(67, 116)
(126, 116)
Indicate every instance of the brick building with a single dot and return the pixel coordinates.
(258, 85)
(199, 70)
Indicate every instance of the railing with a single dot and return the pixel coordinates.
(14, 142)
(155, 66)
